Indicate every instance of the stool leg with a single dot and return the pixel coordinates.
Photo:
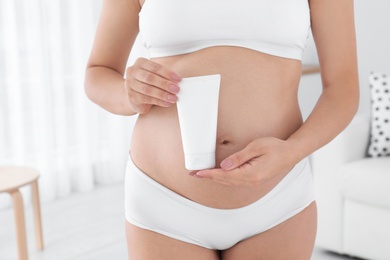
(20, 224)
(37, 215)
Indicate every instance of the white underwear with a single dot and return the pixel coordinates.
(150, 205)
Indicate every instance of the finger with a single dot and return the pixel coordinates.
(151, 79)
(217, 175)
(237, 159)
(143, 109)
(158, 69)
(139, 100)
(206, 173)
(242, 176)
(153, 92)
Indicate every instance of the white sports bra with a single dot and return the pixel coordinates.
(276, 27)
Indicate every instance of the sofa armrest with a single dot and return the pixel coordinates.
(350, 145)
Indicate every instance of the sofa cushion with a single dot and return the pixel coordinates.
(379, 145)
(367, 181)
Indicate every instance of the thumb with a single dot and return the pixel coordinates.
(237, 159)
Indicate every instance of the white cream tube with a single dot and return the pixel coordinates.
(197, 108)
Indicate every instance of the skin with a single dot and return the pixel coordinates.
(261, 135)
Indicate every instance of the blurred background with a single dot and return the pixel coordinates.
(46, 121)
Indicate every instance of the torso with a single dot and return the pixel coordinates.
(258, 98)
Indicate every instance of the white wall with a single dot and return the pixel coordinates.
(373, 38)
(372, 18)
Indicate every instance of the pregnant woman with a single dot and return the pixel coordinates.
(258, 202)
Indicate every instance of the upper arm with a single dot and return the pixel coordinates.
(115, 34)
(333, 29)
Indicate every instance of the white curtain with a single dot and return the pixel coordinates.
(46, 121)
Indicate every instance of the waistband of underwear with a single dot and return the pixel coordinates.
(293, 175)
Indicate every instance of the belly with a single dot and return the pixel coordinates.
(258, 98)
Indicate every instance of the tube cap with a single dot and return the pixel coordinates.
(199, 161)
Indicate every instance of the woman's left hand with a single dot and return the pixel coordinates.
(259, 161)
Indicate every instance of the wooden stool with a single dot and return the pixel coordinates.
(11, 179)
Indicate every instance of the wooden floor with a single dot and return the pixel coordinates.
(84, 226)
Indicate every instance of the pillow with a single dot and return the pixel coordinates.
(379, 144)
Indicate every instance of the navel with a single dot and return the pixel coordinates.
(224, 140)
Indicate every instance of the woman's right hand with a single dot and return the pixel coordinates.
(149, 83)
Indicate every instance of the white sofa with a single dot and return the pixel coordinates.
(353, 195)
